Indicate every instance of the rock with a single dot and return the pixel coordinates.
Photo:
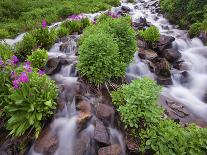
(132, 146)
(147, 54)
(141, 44)
(185, 77)
(105, 113)
(53, 66)
(152, 3)
(125, 9)
(100, 133)
(114, 149)
(47, 142)
(162, 67)
(203, 37)
(64, 46)
(165, 42)
(82, 120)
(82, 144)
(84, 106)
(164, 80)
(172, 55)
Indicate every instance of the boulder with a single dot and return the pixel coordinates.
(164, 80)
(84, 106)
(162, 67)
(47, 142)
(147, 54)
(101, 134)
(53, 66)
(203, 37)
(105, 113)
(141, 44)
(82, 120)
(114, 149)
(172, 55)
(165, 42)
(125, 9)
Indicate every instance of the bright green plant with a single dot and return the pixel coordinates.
(151, 35)
(6, 51)
(168, 137)
(38, 58)
(136, 103)
(98, 61)
(63, 31)
(195, 29)
(32, 101)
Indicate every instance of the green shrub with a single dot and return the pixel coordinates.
(38, 58)
(136, 103)
(32, 102)
(195, 29)
(3, 33)
(168, 137)
(6, 51)
(98, 58)
(63, 31)
(150, 35)
(74, 26)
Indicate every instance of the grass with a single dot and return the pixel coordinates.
(23, 15)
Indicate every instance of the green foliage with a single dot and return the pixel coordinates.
(195, 29)
(150, 35)
(98, 58)
(31, 104)
(38, 58)
(136, 103)
(63, 31)
(6, 51)
(167, 137)
(38, 38)
(22, 15)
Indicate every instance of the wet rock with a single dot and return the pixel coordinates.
(105, 113)
(172, 54)
(53, 66)
(125, 9)
(84, 106)
(203, 37)
(152, 3)
(114, 149)
(165, 42)
(101, 134)
(164, 80)
(185, 77)
(141, 44)
(162, 67)
(47, 142)
(147, 54)
(82, 120)
(64, 46)
(132, 146)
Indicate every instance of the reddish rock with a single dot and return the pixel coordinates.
(100, 133)
(82, 120)
(105, 113)
(114, 149)
(84, 106)
(47, 142)
(147, 54)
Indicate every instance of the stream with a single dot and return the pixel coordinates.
(191, 94)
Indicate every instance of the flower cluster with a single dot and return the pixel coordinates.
(44, 24)
(113, 15)
(11, 62)
(76, 17)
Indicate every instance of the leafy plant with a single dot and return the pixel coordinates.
(32, 101)
(98, 58)
(6, 51)
(151, 35)
(38, 58)
(195, 29)
(63, 31)
(136, 103)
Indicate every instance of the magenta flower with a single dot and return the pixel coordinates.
(15, 84)
(14, 60)
(1, 62)
(75, 17)
(44, 24)
(41, 72)
(24, 77)
(27, 66)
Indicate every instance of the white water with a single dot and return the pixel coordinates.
(194, 54)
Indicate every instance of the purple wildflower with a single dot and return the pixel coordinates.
(14, 60)
(41, 72)
(13, 75)
(1, 62)
(44, 24)
(15, 84)
(24, 77)
(75, 17)
(27, 66)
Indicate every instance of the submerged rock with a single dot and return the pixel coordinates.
(53, 66)
(114, 149)
(125, 9)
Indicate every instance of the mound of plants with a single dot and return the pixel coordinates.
(137, 106)
(121, 34)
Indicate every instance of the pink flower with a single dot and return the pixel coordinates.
(15, 84)
(75, 17)
(24, 77)
(27, 66)
(44, 24)
(14, 60)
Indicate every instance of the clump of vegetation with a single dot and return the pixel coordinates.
(98, 58)
(137, 103)
(122, 35)
(38, 58)
(32, 101)
(195, 29)
(151, 35)
(144, 120)
(6, 51)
